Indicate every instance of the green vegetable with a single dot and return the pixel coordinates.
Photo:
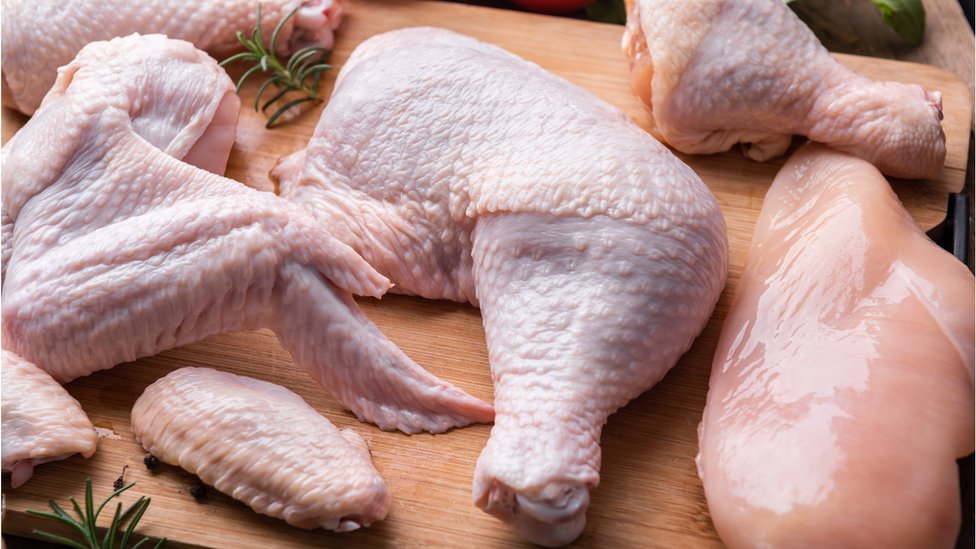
(301, 73)
(87, 519)
(906, 17)
(607, 11)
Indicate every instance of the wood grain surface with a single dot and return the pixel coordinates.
(649, 495)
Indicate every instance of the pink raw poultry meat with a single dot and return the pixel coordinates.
(41, 421)
(261, 444)
(842, 388)
(719, 72)
(32, 53)
(463, 172)
(114, 249)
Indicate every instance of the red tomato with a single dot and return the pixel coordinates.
(553, 6)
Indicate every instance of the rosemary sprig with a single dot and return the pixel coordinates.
(87, 519)
(301, 73)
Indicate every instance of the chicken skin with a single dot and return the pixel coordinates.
(41, 421)
(463, 172)
(842, 387)
(263, 445)
(115, 249)
(32, 53)
(714, 73)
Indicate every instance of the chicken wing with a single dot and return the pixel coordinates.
(116, 250)
(41, 421)
(263, 445)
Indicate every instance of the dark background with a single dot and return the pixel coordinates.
(967, 8)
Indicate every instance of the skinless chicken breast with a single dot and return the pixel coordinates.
(842, 387)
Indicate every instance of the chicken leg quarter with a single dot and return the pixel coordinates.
(715, 73)
(463, 172)
(115, 249)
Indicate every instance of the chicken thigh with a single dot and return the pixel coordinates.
(116, 250)
(463, 172)
(715, 73)
(32, 53)
(263, 445)
(41, 421)
(842, 388)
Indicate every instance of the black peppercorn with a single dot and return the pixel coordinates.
(120, 482)
(150, 461)
(198, 490)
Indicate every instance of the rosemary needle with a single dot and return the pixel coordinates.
(88, 517)
(301, 73)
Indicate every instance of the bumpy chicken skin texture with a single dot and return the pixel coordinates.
(263, 445)
(715, 73)
(41, 421)
(463, 172)
(41, 35)
(842, 387)
(115, 250)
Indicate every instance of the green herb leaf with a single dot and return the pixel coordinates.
(86, 524)
(109, 540)
(277, 114)
(301, 74)
(907, 17)
(278, 95)
(86, 530)
(60, 516)
(243, 56)
(140, 506)
(261, 90)
(114, 495)
(58, 539)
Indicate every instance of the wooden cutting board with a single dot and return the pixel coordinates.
(649, 495)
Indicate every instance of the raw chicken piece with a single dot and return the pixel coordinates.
(719, 72)
(41, 35)
(118, 251)
(463, 172)
(842, 388)
(41, 421)
(263, 445)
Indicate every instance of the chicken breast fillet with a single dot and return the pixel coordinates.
(463, 172)
(32, 53)
(263, 445)
(715, 73)
(114, 249)
(842, 388)
(41, 421)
